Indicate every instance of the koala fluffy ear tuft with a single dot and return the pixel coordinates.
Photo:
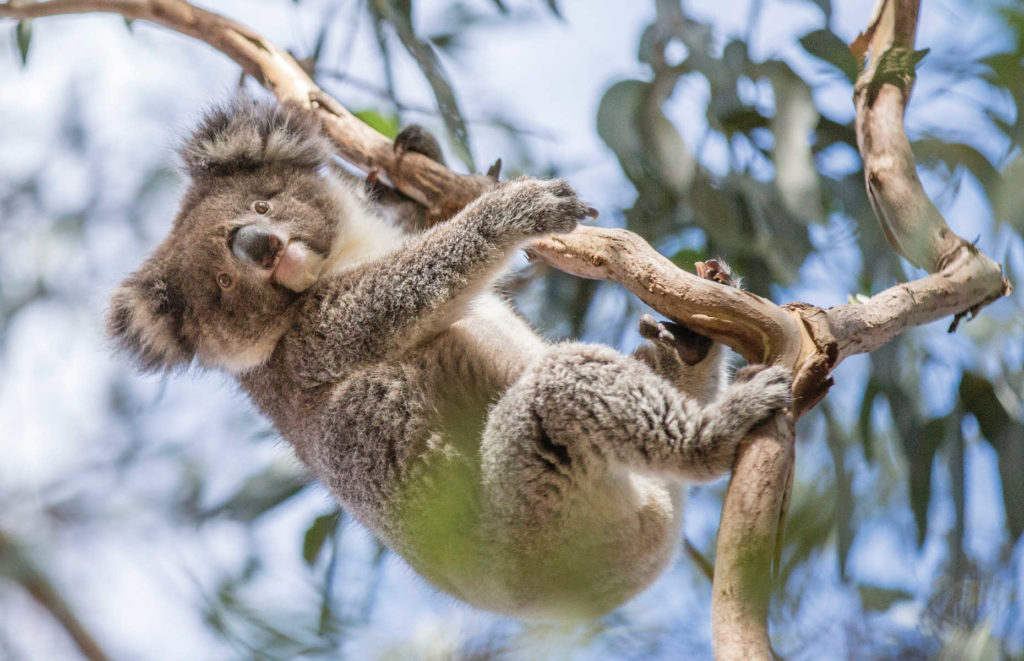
(145, 321)
(245, 135)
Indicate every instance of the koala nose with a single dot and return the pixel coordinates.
(257, 245)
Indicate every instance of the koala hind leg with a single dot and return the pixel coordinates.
(582, 411)
(577, 462)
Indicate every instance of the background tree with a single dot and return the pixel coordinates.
(736, 141)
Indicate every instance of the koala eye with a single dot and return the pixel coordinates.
(224, 280)
(261, 207)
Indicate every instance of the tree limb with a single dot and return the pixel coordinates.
(747, 536)
(810, 340)
(15, 564)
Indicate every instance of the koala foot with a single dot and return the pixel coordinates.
(531, 207)
(415, 138)
(671, 337)
(757, 393)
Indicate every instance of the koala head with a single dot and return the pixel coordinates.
(254, 230)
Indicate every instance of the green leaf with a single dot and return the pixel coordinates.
(1004, 433)
(796, 118)
(129, 23)
(387, 126)
(687, 257)
(667, 157)
(830, 132)
(616, 125)
(808, 524)
(399, 15)
(23, 37)
(865, 428)
(837, 444)
(739, 119)
(827, 46)
(1008, 196)
(319, 532)
(262, 492)
(876, 598)
(956, 155)
(920, 442)
(720, 209)
(553, 6)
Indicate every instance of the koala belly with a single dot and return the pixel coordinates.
(606, 539)
(611, 539)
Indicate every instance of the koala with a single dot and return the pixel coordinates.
(525, 477)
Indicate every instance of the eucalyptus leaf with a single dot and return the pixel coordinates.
(23, 38)
(843, 519)
(616, 125)
(1006, 436)
(920, 445)
(795, 120)
(955, 155)
(828, 47)
(262, 492)
(386, 125)
(1008, 195)
(399, 16)
(317, 534)
(667, 157)
(876, 598)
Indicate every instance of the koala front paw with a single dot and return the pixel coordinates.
(757, 393)
(531, 207)
(675, 339)
(718, 271)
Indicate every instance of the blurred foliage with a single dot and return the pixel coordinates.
(894, 462)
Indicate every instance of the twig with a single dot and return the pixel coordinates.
(20, 568)
(696, 557)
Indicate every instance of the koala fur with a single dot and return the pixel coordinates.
(524, 477)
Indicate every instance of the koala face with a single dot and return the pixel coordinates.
(254, 231)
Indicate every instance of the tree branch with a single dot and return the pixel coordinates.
(15, 564)
(810, 340)
(747, 537)
(436, 187)
(754, 327)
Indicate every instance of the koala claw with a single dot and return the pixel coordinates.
(532, 207)
(717, 270)
(690, 346)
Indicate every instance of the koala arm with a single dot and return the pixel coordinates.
(402, 298)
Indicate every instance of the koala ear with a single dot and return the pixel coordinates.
(145, 320)
(245, 135)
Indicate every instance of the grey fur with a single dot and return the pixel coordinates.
(528, 478)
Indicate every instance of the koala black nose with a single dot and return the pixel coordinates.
(257, 245)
